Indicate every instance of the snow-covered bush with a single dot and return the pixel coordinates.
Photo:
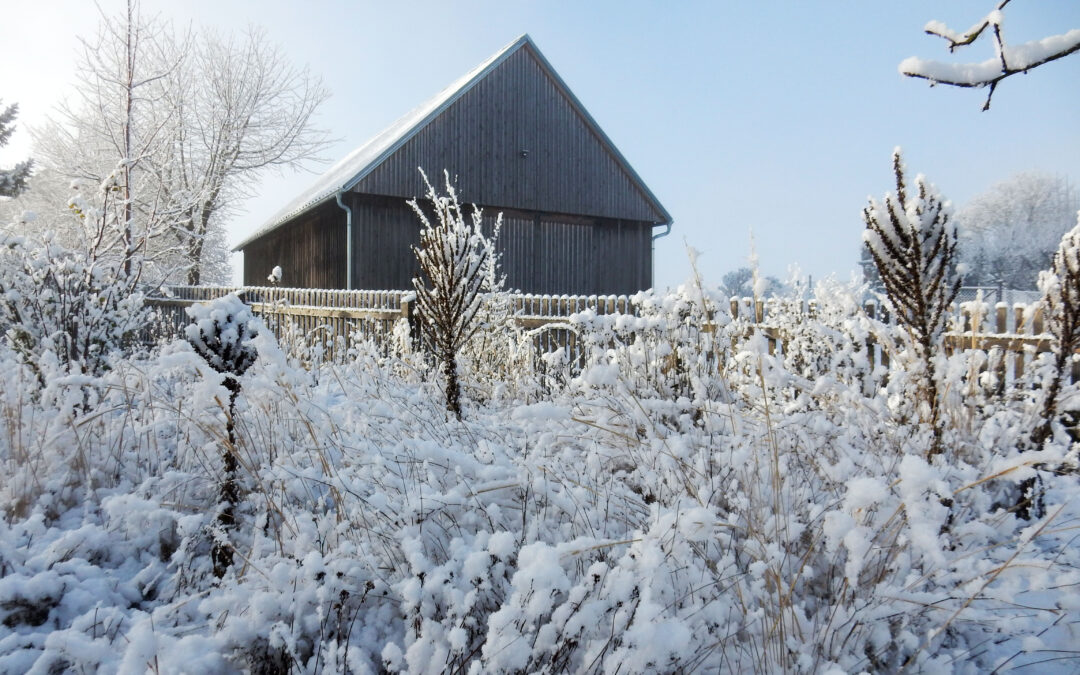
(223, 332)
(1060, 286)
(459, 265)
(912, 242)
(56, 304)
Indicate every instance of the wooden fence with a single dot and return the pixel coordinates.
(335, 318)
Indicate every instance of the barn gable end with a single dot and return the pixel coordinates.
(518, 138)
(514, 139)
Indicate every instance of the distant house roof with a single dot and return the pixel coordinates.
(354, 167)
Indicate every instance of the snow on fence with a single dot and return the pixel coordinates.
(316, 323)
(334, 319)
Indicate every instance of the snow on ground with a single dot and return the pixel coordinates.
(683, 502)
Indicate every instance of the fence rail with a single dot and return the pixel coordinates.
(1017, 330)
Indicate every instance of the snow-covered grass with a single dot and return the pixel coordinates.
(681, 501)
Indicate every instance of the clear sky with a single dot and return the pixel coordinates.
(772, 118)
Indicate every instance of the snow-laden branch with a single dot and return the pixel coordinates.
(1008, 59)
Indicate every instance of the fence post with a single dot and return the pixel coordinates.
(1001, 312)
(1019, 329)
(408, 313)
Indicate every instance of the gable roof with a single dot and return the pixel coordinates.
(354, 167)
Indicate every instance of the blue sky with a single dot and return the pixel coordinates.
(776, 118)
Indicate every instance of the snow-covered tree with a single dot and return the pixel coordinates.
(114, 128)
(912, 241)
(744, 283)
(1010, 232)
(183, 125)
(12, 181)
(1008, 59)
(458, 264)
(241, 107)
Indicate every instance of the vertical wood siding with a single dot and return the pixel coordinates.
(479, 139)
(310, 250)
(539, 253)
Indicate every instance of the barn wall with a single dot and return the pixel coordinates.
(310, 251)
(539, 253)
(385, 230)
(480, 138)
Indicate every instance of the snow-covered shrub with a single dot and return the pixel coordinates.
(499, 361)
(671, 348)
(912, 241)
(60, 304)
(223, 333)
(459, 265)
(1060, 286)
(827, 342)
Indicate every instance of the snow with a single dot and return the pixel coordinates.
(655, 502)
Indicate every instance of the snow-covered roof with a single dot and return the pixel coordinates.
(358, 164)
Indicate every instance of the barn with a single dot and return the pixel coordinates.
(577, 219)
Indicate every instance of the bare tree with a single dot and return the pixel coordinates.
(913, 244)
(459, 263)
(1008, 60)
(183, 126)
(744, 283)
(241, 108)
(114, 129)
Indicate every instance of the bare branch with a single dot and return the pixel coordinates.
(1008, 60)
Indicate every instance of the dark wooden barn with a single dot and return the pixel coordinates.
(577, 219)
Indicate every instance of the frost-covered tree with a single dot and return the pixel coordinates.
(12, 181)
(1008, 60)
(109, 132)
(912, 241)
(743, 283)
(458, 264)
(183, 125)
(1010, 232)
(241, 108)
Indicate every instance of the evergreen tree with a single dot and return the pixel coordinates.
(12, 181)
